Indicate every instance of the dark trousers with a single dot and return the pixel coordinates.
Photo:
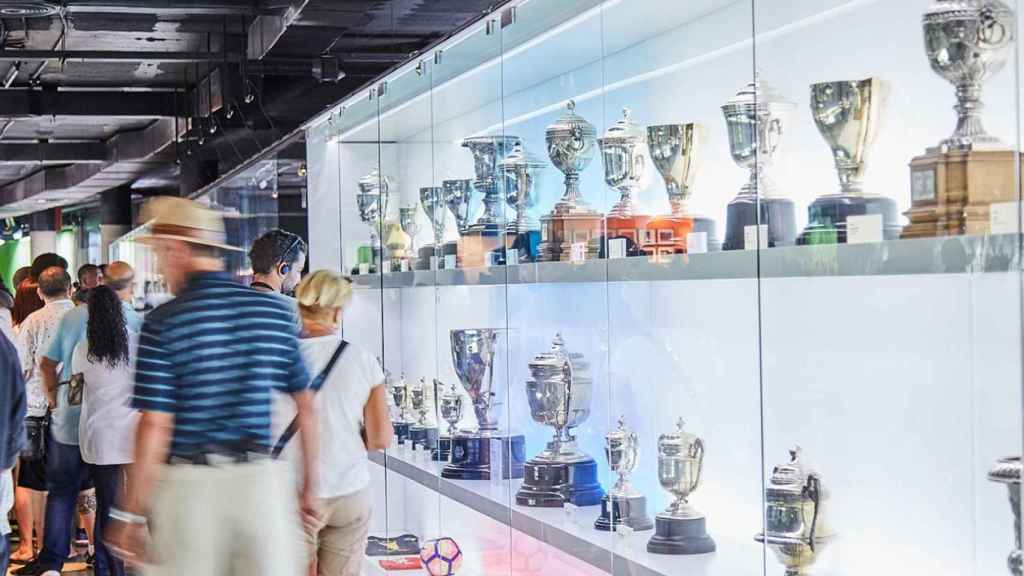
(66, 474)
(109, 481)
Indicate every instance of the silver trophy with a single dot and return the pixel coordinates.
(675, 150)
(433, 203)
(372, 201)
(1007, 471)
(623, 504)
(410, 225)
(680, 529)
(967, 42)
(570, 143)
(458, 196)
(401, 397)
(488, 152)
(521, 170)
(796, 527)
(624, 154)
(449, 408)
(559, 393)
(418, 397)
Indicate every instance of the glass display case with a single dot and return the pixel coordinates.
(710, 287)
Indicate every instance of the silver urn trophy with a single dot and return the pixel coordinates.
(754, 119)
(559, 394)
(421, 433)
(681, 528)
(1007, 471)
(488, 152)
(623, 505)
(402, 399)
(796, 525)
(848, 114)
(520, 170)
(372, 203)
(487, 452)
(624, 156)
(459, 197)
(449, 410)
(676, 150)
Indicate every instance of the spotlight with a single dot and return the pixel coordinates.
(250, 96)
(302, 170)
(202, 139)
(213, 127)
(12, 74)
(230, 112)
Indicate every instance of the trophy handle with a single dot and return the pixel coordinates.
(697, 451)
(639, 166)
(990, 29)
(577, 142)
(773, 135)
(812, 490)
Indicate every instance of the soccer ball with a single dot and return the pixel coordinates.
(441, 557)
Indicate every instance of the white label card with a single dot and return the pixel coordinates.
(489, 259)
(579, 252)
(449, 261)
(751, 236)
(697, 243)
(433, 263)
(512, 256)
(570, 512)
(405, 265)
(364, 268)
(386, 266)
(617, 248)
(864, 229)
(1004, 217)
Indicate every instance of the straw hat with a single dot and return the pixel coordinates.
(174, 218)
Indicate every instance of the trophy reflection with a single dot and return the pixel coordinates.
(483, 242)
(623, 504)
(476, 455)
(796, 529)
(559, 394)
(1007, 471)
(449, 407)
(847, 113)
(681, 528)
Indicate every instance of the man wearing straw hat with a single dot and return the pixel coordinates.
(207, 363)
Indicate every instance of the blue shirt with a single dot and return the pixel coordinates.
(212, 357)
(12, 406)
(71, 331)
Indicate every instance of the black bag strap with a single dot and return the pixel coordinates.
(315, 385)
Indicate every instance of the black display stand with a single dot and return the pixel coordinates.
(443, 451)
(618, 511)
(476, 457)
(680, 536)
(401, 431)
(425, 438)
(553, 484)
(777, 213)
(826, 217)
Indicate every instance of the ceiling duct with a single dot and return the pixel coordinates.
(28, 8)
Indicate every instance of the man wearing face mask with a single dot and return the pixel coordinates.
(277, 260)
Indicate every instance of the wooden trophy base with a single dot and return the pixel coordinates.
(559, 232)
(952, 191)
(475, 246)
(667, 235)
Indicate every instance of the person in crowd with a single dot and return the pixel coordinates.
(20, 275)
(26, 301)
(217, 509)
(352, 407)
(34, 335)
(6, 305)
(277, 259)
(66, 472)
(89, 277)
(44, 261)
(102, 361)
(12, 434)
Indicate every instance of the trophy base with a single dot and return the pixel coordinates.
(628, 511)
(424, 437)
(401, 431)
(777, 213)
(526, 244)
(423, 261)
(707, 226)
(560, 232)
(827, 217)
(554, 484)
(481, 457)
(680, 536)
(952, 191)
(442, 451)
(475, 246)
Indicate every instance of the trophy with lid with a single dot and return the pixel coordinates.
(1007, 471)
(624, 156)
(623, 504)
(754, 118)
(487, 234)
(848, 113)
(402, 398)
(372, 202)
(460, 198)
(675, 150)
(570, 143)
(520, 170)
(449, 409)
(421, 433)
(559, 393)
(681, 528)
(796, 529)
(476, 455)
(954, 184)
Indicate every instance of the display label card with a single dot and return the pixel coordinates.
(405, 265)
(625, 533)
(864, 229)
(364, 268)
(579, 252)
(1004, 217)
(922, 185)
(617, 248)
(697, 243)
(386, 266)
(433, 263)
(512, 256)
(570, 512)
(449, 262)
(751, 236)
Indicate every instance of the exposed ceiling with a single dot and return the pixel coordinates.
(94, 92)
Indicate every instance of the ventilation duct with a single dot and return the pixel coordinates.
(28, 8)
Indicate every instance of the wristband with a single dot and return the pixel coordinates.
(127, 517)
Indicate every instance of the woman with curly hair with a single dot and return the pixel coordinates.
(102, 366)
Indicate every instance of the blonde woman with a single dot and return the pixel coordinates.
(353, 410)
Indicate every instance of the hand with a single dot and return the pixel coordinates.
(309, 507)
(51, 401)
(127, 541)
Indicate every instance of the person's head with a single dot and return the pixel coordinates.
(322, 296)
(54, 284)
(20, 275)
(44, 261)
(186, 237)
(278, 258)
(89, 276)
(26, 301)
(120, 278)
(106, 331)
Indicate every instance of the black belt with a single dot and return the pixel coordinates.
(220, 454)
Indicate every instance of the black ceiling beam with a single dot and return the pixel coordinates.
(112, 103)
(53, 153)
(116, 56)
(177, 7)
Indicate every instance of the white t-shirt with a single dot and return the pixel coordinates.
(106, 429)
(344, 468)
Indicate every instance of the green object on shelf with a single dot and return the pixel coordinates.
(819, 235)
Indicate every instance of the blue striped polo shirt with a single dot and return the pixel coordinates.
(212, 357)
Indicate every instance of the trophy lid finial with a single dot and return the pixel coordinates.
(622, 422)
(680, 424)
(794, 454)
(571, 106)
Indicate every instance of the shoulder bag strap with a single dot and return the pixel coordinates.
(316, 385)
